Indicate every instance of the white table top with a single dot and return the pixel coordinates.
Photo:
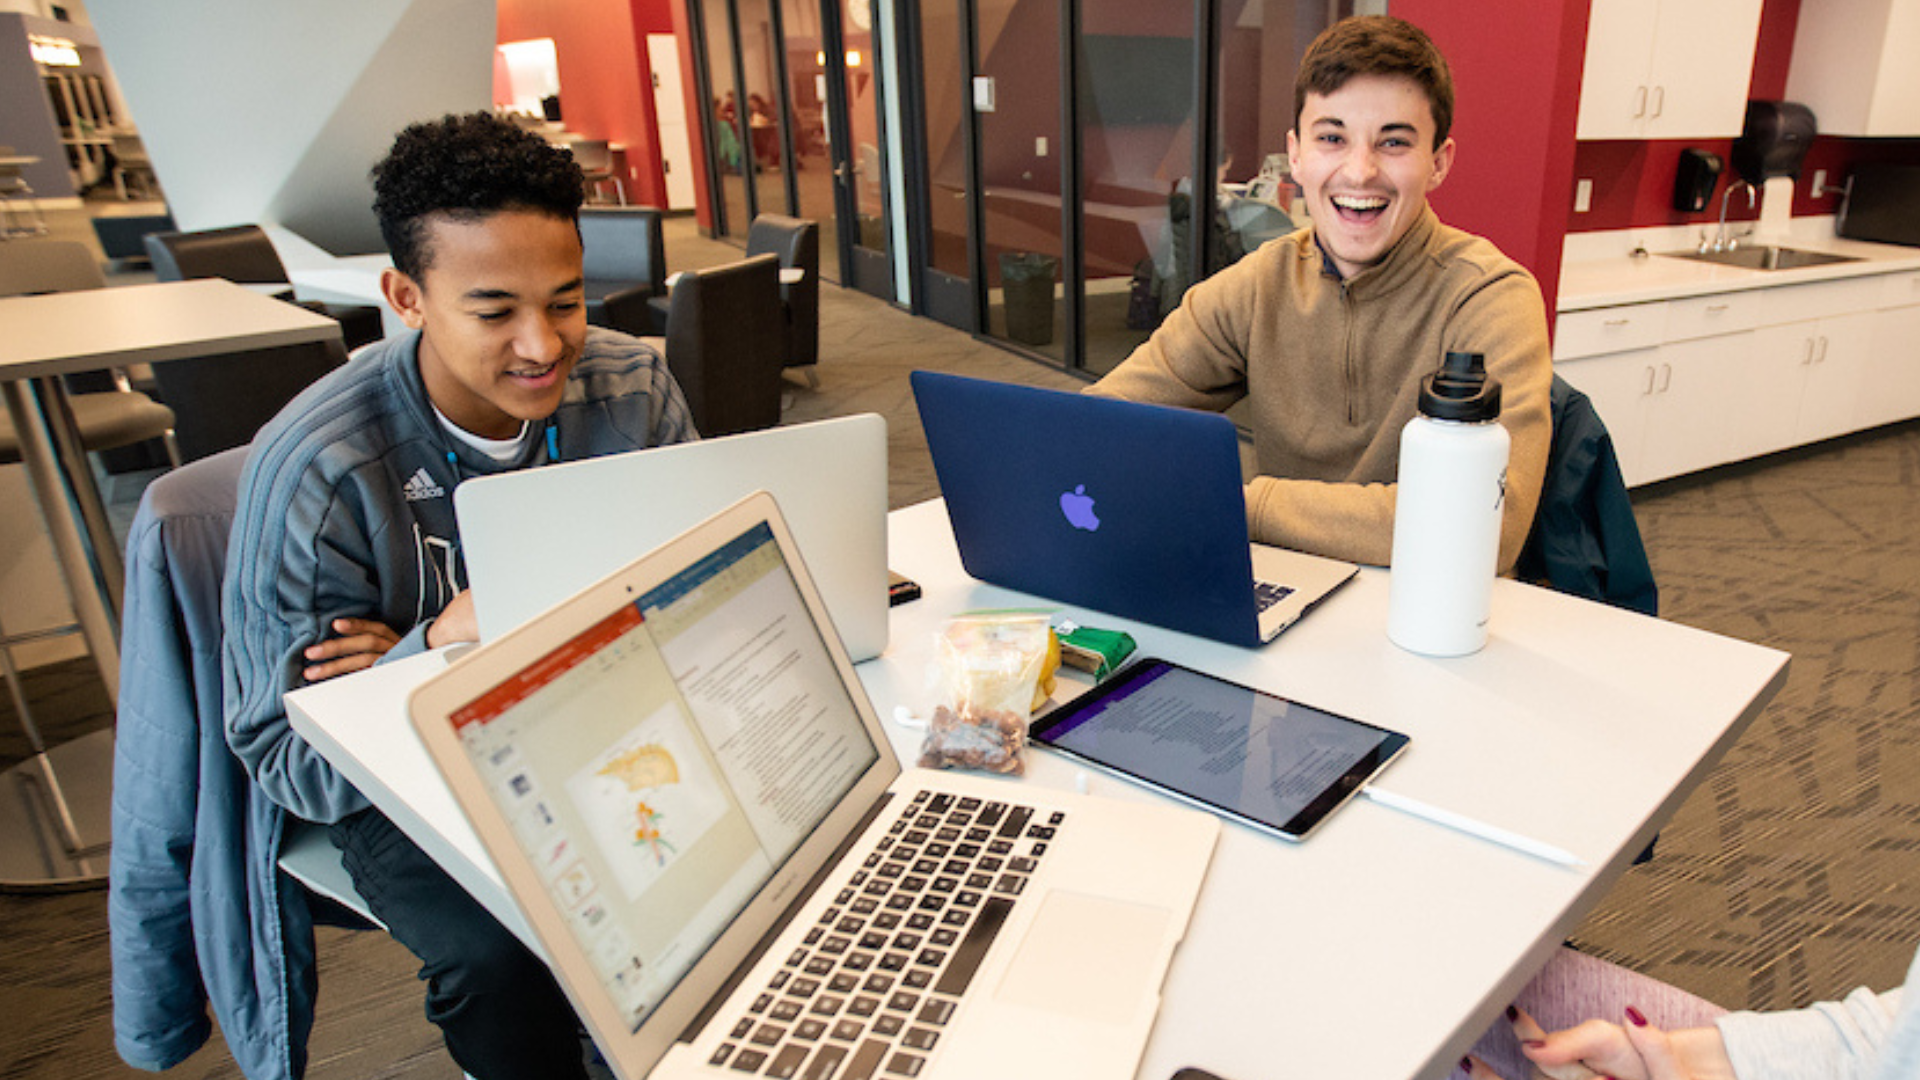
(1382, 946)
(66, 332)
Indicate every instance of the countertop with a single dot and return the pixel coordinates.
(1599, 272)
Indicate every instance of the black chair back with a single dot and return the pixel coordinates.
(797, 244)
(725, 338)
(220, 402)
(242, 253)
(624, 243)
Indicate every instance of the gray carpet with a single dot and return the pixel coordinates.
(1792, 874)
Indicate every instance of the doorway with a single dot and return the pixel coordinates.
(794, 111)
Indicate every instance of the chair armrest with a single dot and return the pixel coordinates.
(630, 312)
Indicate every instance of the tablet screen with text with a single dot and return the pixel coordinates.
(1259, 758)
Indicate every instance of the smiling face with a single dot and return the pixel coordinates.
(502, 312)
(1365, 158)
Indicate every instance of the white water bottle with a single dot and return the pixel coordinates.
(1452, 490)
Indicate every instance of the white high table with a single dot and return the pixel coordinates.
(1381, 947)
(53, 827)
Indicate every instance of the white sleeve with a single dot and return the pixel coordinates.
(1864, 1036)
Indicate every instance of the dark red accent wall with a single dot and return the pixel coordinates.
(1516, 68)
(605, 84)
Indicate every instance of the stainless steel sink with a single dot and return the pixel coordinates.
(1764, 257)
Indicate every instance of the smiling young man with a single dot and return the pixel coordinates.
(345, 547)
(1328, 331)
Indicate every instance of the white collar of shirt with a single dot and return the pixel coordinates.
(505, 451)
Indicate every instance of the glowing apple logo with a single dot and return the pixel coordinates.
(1077, 505)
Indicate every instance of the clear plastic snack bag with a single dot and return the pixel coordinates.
(995, 667)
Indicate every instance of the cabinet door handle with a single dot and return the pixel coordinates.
(1639, 102)
(1649, 388)
(1659, 101)
(1616, 322)
(1666, 377)
(1822, 358)
(1715, 309)
(1807, 356)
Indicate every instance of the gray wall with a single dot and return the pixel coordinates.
(272, 111)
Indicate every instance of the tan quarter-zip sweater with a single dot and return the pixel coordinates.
(1331, 370)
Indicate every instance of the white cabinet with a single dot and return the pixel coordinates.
(1688, 384)
(1621, 386)
(1667, 69)
(1853, 65)
(1808, 378)
(1692, 424)
(1890, 375)
(1669, 409)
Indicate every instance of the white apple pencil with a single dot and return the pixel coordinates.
(1472, 826)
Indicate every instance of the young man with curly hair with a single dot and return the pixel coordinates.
(1326, 333)
(345, 547)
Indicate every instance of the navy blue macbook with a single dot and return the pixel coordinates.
(1132, 509)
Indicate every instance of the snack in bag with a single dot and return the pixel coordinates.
(995, 668)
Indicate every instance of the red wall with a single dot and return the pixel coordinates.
(1516, 70)
(605, 87)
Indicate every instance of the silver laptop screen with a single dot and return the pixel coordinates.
(659, 767)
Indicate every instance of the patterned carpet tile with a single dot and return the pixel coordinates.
(1793, 874)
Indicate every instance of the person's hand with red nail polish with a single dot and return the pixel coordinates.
(1599, 1050)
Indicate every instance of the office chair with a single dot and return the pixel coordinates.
(221, 402)
(595, 158)
(107, 410)
(130, 162)
(1584, 540)
(625, 251)
(186, 814)
(725, 342)
(797, 243)
(244, 254)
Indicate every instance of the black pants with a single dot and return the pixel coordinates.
(496, 1003)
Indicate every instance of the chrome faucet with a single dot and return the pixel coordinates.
(1721, 242)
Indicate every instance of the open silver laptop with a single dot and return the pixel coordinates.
(694, 803)
(534, 537)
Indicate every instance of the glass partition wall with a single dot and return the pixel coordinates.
(1162, 122)
(795, 122)
(1072, 166)
(1137, 81)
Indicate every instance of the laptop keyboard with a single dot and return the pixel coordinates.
(1266, 593)
(876, 982)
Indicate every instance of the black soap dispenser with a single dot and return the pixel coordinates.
(1694, 180)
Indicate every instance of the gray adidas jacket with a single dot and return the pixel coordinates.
(346, 510)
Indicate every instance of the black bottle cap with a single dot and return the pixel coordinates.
(1461, 390)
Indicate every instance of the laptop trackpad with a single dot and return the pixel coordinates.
(1087, 957)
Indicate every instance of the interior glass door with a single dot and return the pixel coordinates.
(858, 160)
(765, 156)
(727, 116)
(942, 143)
(807, 79)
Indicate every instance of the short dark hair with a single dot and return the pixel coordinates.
(467, 167)
(1376, 45)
